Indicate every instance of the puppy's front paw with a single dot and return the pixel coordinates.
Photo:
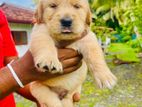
(105, 79)
(49, 63)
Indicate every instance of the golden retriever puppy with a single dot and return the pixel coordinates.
(65, 23)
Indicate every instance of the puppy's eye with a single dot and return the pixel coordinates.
(77, 6)
(53, 5)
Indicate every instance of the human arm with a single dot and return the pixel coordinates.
(25, 70)
(25, 92)
(70, 60)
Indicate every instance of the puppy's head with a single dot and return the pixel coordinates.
(66, 19)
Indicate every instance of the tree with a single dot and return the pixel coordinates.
(121, 12)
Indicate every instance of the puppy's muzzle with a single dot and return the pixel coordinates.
(66, 22)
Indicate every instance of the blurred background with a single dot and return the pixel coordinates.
(118, 26)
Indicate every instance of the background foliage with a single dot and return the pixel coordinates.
(121, 21)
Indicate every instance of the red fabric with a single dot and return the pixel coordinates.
(7, 48)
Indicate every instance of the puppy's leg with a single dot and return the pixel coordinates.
(45, 96)
(44, 51)
(93, 56)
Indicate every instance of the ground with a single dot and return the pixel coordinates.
(127, 92)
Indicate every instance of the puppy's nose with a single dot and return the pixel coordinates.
(66, 22)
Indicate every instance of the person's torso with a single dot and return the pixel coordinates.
(1, 51)
(9, 100)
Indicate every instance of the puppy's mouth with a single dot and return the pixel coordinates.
(66, 30)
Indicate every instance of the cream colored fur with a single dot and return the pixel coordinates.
(46, 34)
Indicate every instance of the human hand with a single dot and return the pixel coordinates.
(25, 68)
(70, 59)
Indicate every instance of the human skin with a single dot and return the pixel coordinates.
(26, 71)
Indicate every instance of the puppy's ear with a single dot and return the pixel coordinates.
(39, 12)
(89, 17)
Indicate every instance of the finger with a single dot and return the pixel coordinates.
(45, 75)
(76, 97)
(71, 69)
(71, 62)
(67, 53)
